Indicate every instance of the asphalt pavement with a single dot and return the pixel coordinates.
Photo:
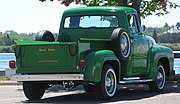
(126, 94)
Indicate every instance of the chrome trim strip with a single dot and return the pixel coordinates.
(131, 78)
(47, 77)
(135, 81)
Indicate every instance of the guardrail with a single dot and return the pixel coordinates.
(176, 54)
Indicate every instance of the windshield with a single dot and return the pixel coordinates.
(91, 22)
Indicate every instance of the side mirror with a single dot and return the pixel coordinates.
(143, 27)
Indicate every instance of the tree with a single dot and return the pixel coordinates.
(173, 27)
(178, 25)
(155, 35)
(144, 7)
(8, 41)
(8, 37)
(166, 26)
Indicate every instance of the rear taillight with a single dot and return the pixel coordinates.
(12, 64)
(82, 63)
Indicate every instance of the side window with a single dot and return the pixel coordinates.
(132, 23)
(72, 22)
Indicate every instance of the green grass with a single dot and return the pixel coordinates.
(174, 47)
(3, 78)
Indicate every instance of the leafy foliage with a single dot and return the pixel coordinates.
(163, 35)
(6, 49)
(8, 37)
(144, 7)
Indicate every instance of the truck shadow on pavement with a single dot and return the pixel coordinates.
(124, 93)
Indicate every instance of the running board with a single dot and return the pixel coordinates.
(135, 81)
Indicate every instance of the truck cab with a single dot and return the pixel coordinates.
(97, 47)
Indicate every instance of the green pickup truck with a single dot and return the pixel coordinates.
(97, 47)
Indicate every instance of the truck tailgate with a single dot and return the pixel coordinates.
(46, 57)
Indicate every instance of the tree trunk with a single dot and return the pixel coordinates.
(136, 5)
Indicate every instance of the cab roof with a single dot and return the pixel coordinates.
(98, 10)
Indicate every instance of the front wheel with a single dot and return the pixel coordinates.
(106, 89)
(159, 83)
(34, 90)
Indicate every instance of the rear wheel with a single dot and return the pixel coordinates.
(159, 83)
(106, 89)
(34, 90)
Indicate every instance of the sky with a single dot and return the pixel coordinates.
(26, 16)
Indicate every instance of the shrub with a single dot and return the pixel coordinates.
(174, 47)
(6, 49)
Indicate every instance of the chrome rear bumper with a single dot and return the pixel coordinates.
(48, 77)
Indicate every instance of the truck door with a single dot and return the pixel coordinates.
(139, 47)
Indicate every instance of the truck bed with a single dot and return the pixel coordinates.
(46, 57)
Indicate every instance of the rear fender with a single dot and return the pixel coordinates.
(95, 61)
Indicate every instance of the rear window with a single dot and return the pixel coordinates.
(91, 22)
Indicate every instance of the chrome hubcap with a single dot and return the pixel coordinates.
(160, 77)
(109, 83)
(124, 45)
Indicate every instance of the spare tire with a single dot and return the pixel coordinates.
(120, 43)
(44, 35)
